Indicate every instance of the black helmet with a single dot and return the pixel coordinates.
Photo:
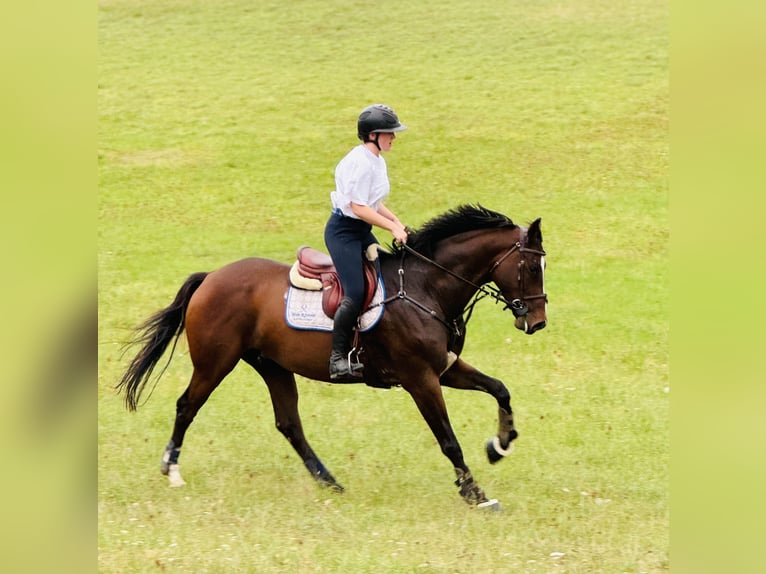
(378, 118)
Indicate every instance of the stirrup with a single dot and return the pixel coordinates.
(344, 370)
(355, 367)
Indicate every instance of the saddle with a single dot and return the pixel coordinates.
(315, 271)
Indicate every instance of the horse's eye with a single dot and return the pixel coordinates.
(534, 268)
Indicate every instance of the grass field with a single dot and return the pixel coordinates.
(220, 124)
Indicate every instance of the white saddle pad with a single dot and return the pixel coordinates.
(303, 310)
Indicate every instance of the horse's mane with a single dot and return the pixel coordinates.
(458, 220)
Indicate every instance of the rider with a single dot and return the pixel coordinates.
(361, 185)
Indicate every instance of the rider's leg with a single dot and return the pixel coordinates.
(342, 367)
(345, 238)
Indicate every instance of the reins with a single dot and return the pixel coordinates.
(517, 306)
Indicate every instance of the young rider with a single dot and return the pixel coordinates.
(361, 185)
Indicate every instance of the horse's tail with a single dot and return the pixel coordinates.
(155, 335)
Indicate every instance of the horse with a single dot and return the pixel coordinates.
(237, 312)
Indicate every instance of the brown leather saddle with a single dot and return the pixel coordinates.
(315, 271)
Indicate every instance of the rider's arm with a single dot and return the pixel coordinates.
(368, 214)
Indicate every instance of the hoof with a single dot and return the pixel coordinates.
(322, 475)
(334, 486)
(495, 452)
(492, 505)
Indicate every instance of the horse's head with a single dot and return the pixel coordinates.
(452, 242)
(519, 276)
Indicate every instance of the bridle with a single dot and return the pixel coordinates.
(518, 307)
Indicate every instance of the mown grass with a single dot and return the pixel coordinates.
(219, 126)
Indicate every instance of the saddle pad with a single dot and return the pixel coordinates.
(303, 310)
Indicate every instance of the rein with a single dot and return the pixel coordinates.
(517, 306)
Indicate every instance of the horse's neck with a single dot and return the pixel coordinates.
(459, 267)
(471, 256)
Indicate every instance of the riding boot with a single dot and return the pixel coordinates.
(342, 368)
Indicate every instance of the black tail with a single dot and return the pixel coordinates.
(155, 336)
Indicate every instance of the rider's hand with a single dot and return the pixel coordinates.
(400, 234)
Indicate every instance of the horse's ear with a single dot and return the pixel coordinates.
(534, 234)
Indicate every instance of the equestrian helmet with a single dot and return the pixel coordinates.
(378, 118)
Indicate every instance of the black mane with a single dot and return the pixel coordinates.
(458, 220)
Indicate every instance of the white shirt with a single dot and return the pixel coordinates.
(361, 177)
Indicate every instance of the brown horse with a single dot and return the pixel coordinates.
(238, 313)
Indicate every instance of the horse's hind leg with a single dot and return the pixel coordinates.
(203, 383)
(284, 399)
(463, 376)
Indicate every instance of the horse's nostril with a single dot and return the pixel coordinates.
(536, 327)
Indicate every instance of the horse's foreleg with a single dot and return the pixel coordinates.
(284, 399)
(430, 401)
(463, 376)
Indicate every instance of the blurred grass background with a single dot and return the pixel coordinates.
(49, 61)
(219, 128)
(49, 180)
(48, 177)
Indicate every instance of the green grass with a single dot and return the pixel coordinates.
(220, 124)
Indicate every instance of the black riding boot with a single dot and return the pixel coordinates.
(342, 369)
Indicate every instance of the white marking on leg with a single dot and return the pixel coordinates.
(174, 476)
(499, 449)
